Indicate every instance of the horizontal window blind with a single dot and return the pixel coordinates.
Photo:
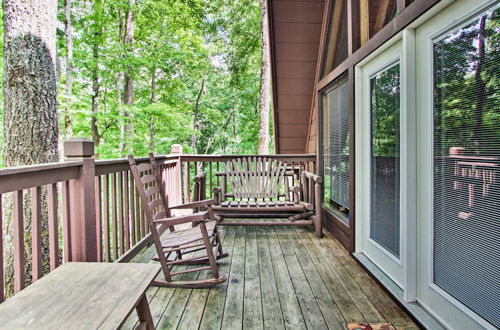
(466, 221)
(384, 185)
(336, 145)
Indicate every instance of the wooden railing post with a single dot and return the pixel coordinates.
(176, 149)
(83, 215)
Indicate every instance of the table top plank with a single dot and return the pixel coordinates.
(79, 295)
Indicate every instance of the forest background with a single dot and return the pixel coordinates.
(139, 76)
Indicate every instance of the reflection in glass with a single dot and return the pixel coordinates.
(384, 100)
(466, 210)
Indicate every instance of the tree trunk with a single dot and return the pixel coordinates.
(265, 82)
(128, 88)
(151, 123)
(30, 98)
(196, 112)
(96, 137)
(69, 68)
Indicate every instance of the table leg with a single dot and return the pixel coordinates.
(144, 314)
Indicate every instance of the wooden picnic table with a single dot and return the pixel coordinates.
(81, 295)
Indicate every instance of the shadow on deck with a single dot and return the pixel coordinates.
(278, 277)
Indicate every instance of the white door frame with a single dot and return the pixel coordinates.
(389, 54)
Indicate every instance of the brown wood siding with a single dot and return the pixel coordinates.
(295, 28)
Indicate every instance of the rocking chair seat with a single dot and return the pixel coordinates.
(186, 236)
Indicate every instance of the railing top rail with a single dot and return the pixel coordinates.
(138, 159)
(23, 177)
(37, 168)
(290, 157)
(108, 166)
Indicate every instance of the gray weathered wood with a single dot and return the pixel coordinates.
(79, 296)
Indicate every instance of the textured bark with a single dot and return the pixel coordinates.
(69, 67)
(265, 82)
(128, 88)
(30, 97)
(196, 121)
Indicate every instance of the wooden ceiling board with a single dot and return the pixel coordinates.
(288, 70)
(295, 30)
(295, 52)
(295, 86)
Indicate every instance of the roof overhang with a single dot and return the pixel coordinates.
(294, 31)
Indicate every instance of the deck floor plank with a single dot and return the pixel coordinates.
(233, 307)
(252, 307)
(310, 309)
(365, 306)
(195, 307)
(331, 312)
(214, 308)
(339, 293)
(272, 314)
(379, 297)
(292, 314)
(278, 277)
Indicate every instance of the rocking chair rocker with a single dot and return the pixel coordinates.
(173, 246)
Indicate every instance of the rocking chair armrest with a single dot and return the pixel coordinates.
(295, 189)
(192, 205)
(196, 217)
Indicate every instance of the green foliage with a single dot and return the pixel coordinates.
(176, 45)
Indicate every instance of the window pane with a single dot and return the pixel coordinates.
(467, 165)
(336, 147)
(336, 47)
(384, 219)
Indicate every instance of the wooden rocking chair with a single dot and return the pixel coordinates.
(173, 246)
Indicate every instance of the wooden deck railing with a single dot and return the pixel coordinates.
(91, 208)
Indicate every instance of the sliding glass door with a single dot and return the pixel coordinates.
(459, 165)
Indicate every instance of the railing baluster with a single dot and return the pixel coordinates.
(127, 214)
(53, 227)
(120, 213)
(107, 243)
(36, 233)
(115, 217)
(132, 208)
(18, 240)
(98, 215)
(138, 211)
(66, 227)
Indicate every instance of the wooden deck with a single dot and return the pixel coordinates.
(278, 277)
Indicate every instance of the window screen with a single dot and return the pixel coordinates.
(336, 147)
(384, 216)
(466, 197)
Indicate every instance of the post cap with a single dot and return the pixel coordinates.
(78, 148)
(176, 149)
